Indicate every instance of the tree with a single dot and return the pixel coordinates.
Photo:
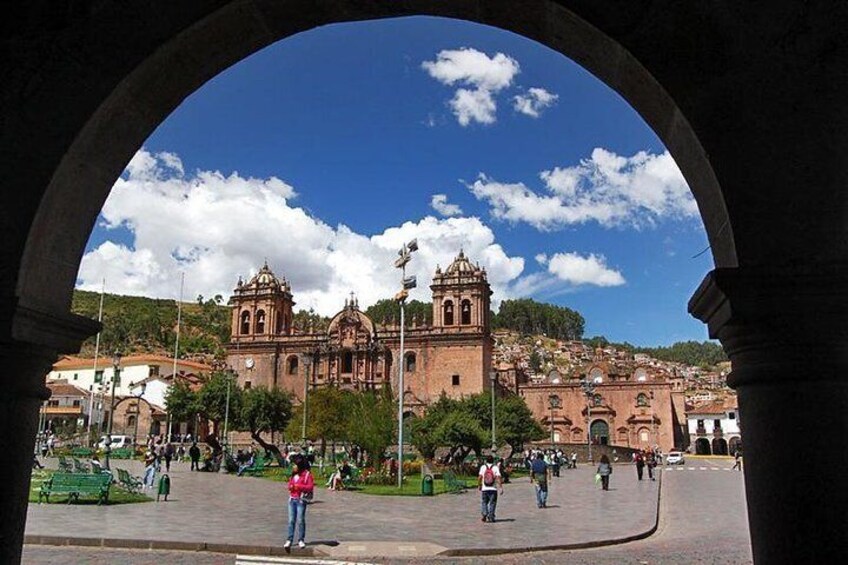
(371, 423)
(181, 402)
(328, 415)
(515, 424)
(212, 399)
(530, 317)
(388, 310)
(264, 411)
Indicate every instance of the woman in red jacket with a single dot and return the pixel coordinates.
(301, 486)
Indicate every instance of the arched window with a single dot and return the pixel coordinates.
(465, 312)
(347, 362)
(245, 323)
(410, 363)
(292, 365)
(596, 375)
(260, 322)
(642, 400)
(644, 435)
(448, 314)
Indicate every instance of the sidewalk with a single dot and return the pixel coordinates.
(248, 515)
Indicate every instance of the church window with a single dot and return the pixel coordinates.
(465, 312)
(245, 322)
(292, 365)
(597, 400)
(642, 399)
(448, 315)
(347, 362)
(279, 328)
(410, 363)
(260, 322)
(455, 380)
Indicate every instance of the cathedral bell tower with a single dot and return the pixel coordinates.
(461, 297)
(262, 308)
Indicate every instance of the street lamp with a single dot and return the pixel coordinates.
(407, 283)
(116, 372)
(494, 378)
(555, 403)
(138, 409)
(589, 391)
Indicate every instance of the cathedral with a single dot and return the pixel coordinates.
(453, 355)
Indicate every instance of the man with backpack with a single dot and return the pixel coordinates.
(489, 482)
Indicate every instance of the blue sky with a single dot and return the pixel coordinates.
(322, 154)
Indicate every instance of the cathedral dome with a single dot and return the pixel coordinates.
(266, 278)
(462, 265)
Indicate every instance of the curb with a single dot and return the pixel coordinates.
(278, 551)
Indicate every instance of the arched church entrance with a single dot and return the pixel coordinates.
(599, 432)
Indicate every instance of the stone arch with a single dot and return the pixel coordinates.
(465, 312)
(702, 446)
(734, 444)
(644, 435)
(171, 60)
(447, 313)
(244, 323)
(260, 322)
(719, 446)
(599, 432)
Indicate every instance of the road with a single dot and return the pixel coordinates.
(702, 520)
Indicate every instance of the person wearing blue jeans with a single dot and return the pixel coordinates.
(297, 519)
(489, 482)
(539, 475)
(301, 486)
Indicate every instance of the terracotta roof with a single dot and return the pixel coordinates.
(69, 362)
(62, 388)
(714, 407)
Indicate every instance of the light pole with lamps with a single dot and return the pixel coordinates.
(407, 283)
(589, 391)
(554, 403)
(138, 408)
(493, 376)
(116, 373)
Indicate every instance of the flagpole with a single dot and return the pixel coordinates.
(177, 343)
(96, 355)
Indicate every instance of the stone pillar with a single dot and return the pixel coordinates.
(786, 333)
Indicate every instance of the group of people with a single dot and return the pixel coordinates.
(647, 458)
(555, 459)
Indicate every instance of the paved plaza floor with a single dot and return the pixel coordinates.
(248, 515)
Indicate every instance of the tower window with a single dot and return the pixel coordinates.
(465, 312)
(260, 322)
(292, 365)
(347, 362)
(245, 323)
(448, 313)
(455, 380)
(410, 363)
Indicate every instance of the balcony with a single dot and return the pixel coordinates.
(63, 410)
(701, 431)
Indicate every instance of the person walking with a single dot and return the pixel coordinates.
(301, 488)
(651, 463)
(489, 481)
(539, 475)
(605, 470)
(149, 469)
(169, 455)
(737, 460)
(573, 459)
(194, 454)
(640, 465)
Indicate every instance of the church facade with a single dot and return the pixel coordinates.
(452, 355)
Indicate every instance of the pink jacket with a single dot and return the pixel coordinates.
(300, 484)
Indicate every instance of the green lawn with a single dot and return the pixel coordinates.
(117, 495)
(411, 487)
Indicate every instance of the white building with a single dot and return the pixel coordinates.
(714, 427)
(133, 369)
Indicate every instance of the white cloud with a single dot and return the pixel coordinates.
(542, 259)
(216, 227)
(439, 203)
(474, 68)
(533, 101)
(607, 188)
(577, 270)
(483, 75)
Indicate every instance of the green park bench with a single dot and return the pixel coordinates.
(76, 485)
(122, 453)
(79, 466)
(453, 484)
(129, 482)
(82, 452)
(257, 467)
(65, 466)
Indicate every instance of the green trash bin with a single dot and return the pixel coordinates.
(427, 485)
(164, 487)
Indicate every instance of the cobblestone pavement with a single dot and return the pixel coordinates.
(225, 509)
(702, 520)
